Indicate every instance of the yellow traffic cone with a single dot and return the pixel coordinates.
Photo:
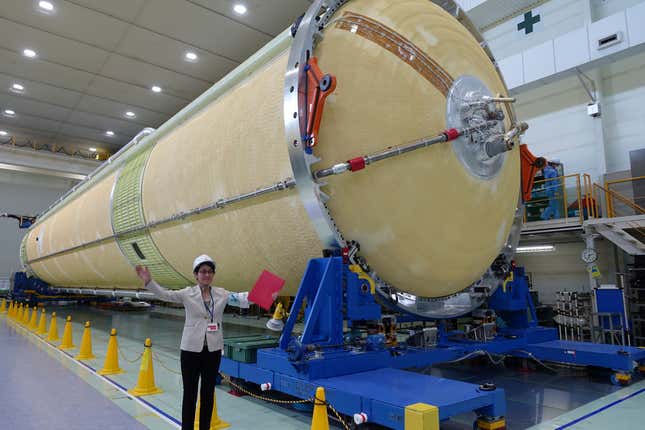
(21, 317)
(67, 342)
(10, 310)
(146, 381)
(21, 313)
(14, 314)
(52, 336)
(216, 421)
(85, 352)
(33, 322)
(320, 421)
(26, 316)
(3, 307)
(111, 365)
(42, 324)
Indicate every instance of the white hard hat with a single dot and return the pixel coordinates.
(201, 260)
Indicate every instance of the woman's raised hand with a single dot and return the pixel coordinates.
(144, 274)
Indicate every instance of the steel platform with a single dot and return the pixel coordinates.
(383, 394)
(616, 357)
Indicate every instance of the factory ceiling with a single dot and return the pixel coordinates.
(93, 73)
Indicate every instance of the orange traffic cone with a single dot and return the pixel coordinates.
(85, 352)
(67, 342)
(10, 311)
(33, 321)
(3, 306)
(320, 421)
(42, 324)
(146, 381)
(52, 336)
(216, 421)
(111, 365)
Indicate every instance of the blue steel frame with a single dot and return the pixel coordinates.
(513, 303)
(369, 379)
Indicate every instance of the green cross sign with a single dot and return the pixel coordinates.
(528, 23)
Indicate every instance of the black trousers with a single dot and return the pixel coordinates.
(193, 366)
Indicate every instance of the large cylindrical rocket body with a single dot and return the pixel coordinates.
(425, 223)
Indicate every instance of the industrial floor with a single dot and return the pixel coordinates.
(42, 387)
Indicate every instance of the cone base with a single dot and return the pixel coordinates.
(219, 424)
(57, 339)
(147, 392)
(110, 371)
(85, 357)
(67, 346)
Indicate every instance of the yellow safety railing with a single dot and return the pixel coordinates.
(620, 198)
(562, 198)
(590, 197)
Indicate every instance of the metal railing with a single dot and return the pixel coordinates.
(562, 198)
(620, 196)
(571, 199)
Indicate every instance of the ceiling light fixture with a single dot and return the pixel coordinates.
(46, 6)
(239, 9)
(9, 112)
(536, 248)
(109, 133)
(92, 149)
(130, 114)
(191, 56)
(3, 133)
(156, 89)
(29, 53)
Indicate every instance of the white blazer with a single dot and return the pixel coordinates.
(197, 317)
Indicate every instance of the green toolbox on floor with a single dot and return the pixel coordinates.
(245, 348)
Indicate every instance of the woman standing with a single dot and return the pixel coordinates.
(202, 339)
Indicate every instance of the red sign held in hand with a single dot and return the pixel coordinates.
(264, 288)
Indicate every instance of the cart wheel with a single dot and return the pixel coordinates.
(621, 379)
(613, 379)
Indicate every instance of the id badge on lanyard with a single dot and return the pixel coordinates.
(212, 326)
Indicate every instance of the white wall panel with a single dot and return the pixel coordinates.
(571, 49)
(636, 24)
(539, 61)
(512, 70)
(624, 110)
(557, 17)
